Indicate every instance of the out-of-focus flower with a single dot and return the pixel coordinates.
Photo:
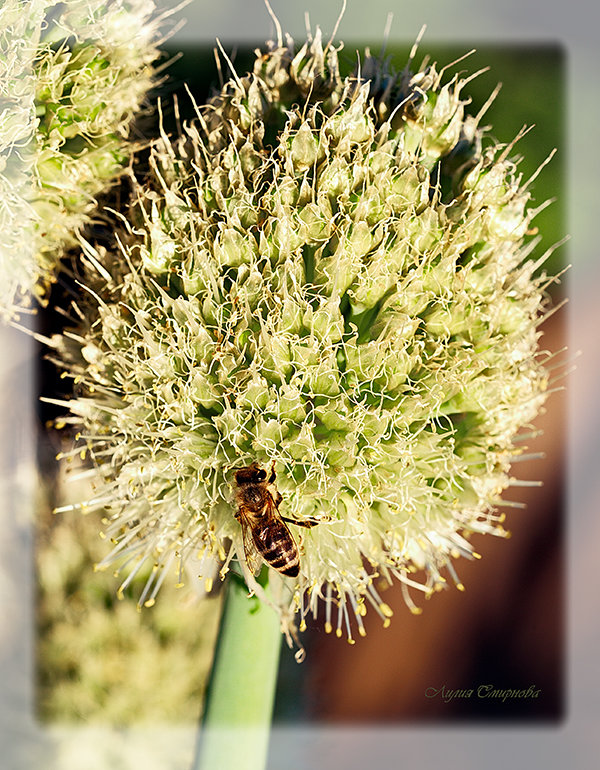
(98, 659)
(72, 78)
(329, 275)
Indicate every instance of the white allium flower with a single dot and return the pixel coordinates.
(72, 78)
(328, 276)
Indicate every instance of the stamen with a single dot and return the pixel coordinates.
(347, 622)
(382, 609)
(340, 605)
(328, 626)
(409, 602)
(120, 590)
(359, 610)
(452, 571)
(162, 573)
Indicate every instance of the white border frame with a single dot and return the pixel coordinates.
(573, 743)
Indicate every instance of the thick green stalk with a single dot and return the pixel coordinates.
(239, 705)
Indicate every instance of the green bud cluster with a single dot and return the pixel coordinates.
(328, 274)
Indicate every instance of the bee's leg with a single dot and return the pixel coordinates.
(273, 475)
(308, 523)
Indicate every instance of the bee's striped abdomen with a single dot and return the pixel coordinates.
(277, 547)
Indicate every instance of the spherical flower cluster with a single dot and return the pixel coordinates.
(72, 78)
(328, 276)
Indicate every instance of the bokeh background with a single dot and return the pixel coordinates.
(93, 666)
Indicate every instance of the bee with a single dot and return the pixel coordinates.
(265, 532)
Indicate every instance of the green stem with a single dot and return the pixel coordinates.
(239, 704)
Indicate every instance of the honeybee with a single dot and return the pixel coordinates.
(265, 532)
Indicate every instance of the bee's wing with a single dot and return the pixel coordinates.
(253, 558)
